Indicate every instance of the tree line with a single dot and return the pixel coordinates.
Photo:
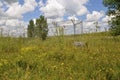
(38, 29)
(113, 10)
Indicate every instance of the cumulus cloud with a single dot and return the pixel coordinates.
(105, 22)
(11, 18)
(1, 9)
(12, 22)
(11, 13)
(10, 1)
(16, 10)
(107, 18)
(13, 26)
(95, 16)
(59, 8)
(41, 3)
(54, 20)
(53, 9)
(72, 17)
(1, 12)
(1, 4)
(99, 17)
(2, 22)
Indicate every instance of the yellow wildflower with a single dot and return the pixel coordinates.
(29, 48)
(62, 64)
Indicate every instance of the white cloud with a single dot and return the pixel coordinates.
(2, 22)
(13, 26)
(72, 17)
(16, 10)
(54, 20)
(1, 12)
(41, 3)
(59, 8)
(83, 10)
(10, 19)
(95, 16)
(53, 9)
(12, 22)
(1, 4)
(100, 17)
(1, 9)
(88, 24)
(10, 1)
(105, 22)
(107, 18)
(74, 7)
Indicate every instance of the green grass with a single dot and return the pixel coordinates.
(58, 59)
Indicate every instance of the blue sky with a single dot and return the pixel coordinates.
(15, 14)
(31, 15)
(96, 5)
(92, 5)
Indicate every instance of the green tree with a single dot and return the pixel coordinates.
(41, 27)
(30, 29)
(114, 10)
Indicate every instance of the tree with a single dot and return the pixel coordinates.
(114, 10)
(41, 27)
(97, 26)
(30, 29)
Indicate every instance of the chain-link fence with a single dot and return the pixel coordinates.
(77, 27)
(69, 27)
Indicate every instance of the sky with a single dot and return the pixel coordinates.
(16, 14)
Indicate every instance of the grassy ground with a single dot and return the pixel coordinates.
(58, 59)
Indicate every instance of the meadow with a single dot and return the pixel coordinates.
(58, 58)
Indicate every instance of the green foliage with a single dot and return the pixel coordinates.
(114, 10)
(30, 30)
(41, 27)
(34, 59)
(115, 28)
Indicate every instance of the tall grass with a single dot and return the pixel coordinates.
(58, 59)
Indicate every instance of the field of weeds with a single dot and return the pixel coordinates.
(58, 58)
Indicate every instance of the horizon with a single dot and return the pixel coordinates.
(15, 14)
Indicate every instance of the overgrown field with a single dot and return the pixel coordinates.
(58, 59)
